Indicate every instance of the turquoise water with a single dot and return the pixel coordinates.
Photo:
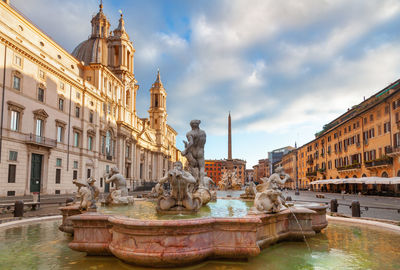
(43, 246)
(147, 210)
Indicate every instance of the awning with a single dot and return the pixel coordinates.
(363, 180)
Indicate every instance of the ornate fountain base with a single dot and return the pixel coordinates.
(169, 243)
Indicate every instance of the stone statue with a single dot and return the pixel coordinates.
(206, 183)
(229, 181)
(269, 198)
(249, 192)
(179, 199)
(120, 194)
(194, 151)
(87, 193)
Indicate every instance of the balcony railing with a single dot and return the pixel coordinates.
(349, 167)
(379, 162)
(39, 140)
(311, 174)
(392, 151)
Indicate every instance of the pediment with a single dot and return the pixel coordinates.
(149, 137)
(41, 113)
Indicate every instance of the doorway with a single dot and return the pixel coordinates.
(36, 172)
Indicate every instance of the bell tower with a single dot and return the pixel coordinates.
(100, 24)
(158, 105)
(121, 52)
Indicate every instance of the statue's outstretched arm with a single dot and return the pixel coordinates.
(110, 179)
(164, 179)
(283, 181)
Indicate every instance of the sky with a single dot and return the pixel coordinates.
(282, 68)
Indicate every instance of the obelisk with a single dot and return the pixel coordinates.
(229, 137)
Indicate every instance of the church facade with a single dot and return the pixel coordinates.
(73, 116)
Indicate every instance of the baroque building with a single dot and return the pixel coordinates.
(362, 142)
(72, 116)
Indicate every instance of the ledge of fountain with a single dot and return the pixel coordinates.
(170, 243)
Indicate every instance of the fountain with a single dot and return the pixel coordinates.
(184, 228)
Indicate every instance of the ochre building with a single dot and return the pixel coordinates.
(262, 169)
(71, 116)
(216, 168)
(362, 142)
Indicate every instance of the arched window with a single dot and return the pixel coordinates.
(337, 177)
(385, 175)
(354, 176)
(364, 175)
(347, 176)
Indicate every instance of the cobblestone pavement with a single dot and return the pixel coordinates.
(378, 207)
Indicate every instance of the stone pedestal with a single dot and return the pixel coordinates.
(169, 243)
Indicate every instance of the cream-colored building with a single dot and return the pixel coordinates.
(68, 116)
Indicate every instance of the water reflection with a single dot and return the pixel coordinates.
(43, 246)
(147, 210)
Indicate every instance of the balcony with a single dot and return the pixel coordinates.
(377, 163)
(348, 168)
(39, 140)
(393, 151)
(311, 174)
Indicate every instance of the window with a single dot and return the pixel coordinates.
(17, 83)
(74, 174)
(18, 61)
(90, 143)
(127, 151)
(386, 127)
(77, 111)
(61, 104)
(41, 74)
(88, 78)
(13, 155)
(78, 95)
(58, 176)
(58, 162)
(387, 109)
(76, 164)
(109, 144)
(60, 133)
(365, 120)
(90, 117)
(40, 94)
(14, 123)
(62, 86)
(76, 139)
(39, 127)
(371, 117)
(12, 168)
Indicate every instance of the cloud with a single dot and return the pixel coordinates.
(278, 66)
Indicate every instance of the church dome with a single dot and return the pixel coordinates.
(93, 50)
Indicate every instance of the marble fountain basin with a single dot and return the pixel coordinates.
(157, 241)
